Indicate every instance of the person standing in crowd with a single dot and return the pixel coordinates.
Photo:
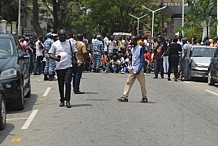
(122, 45)
(136, 72)
(82, 55)
(49, 70)
(61, 52)
(31, 50)
(184, 62)
(97, 52)
(174, 50)
(106, 43)
(39, 55)
(166, 57)
(158, 59)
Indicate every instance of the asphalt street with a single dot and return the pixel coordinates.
(177, 114)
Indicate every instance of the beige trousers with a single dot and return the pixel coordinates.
(130, 80)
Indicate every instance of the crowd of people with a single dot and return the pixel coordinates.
(113, 55)
(52, 55)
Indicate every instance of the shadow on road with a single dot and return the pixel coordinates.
(91, 93)
(80, 105)
(28, 106)
(98, 99)
(4, 133)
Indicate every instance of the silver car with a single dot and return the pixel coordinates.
(199, 61)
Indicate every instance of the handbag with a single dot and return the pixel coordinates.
(73, 59)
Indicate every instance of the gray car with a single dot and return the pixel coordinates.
(199, 61)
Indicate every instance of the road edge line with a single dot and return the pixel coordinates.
(29, 120)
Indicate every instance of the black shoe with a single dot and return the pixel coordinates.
(155, 77)
(61, 104)
(176, 80)
(162, 77)
(36, 73)
(169, 79)
(68, 105)
(78, 92)
(144, 100)
(123, 99)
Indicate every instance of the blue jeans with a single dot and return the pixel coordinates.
(38, 64)
(77, 77)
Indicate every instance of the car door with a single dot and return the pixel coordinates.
(24, 63)
(215, 64)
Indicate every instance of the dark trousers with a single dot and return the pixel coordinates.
(77, 77)
(173, 63)
(158, 67)
(64, 77)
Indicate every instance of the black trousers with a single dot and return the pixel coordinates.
(173, 63)
(64, 78)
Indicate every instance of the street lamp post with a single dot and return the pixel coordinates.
(153, 11)
(138, 18)
(183, 15)
(19, 17)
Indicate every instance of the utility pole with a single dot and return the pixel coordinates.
(153, 11)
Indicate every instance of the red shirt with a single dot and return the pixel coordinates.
(148, 57)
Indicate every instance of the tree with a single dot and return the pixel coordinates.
(204, 10)
(36, 18)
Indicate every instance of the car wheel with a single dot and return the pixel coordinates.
(2, 114)
(19, 103)
(210, 80)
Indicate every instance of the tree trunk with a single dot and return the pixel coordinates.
(36, 18)
(55, 15)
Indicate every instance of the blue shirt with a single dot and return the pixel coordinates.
(137, 59)
(97, 47)
(47, 44)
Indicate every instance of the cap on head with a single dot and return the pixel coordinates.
(99, 37)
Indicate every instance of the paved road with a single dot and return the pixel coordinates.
(178, 114)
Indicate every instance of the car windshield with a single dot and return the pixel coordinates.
(202, 51)
(6, 48)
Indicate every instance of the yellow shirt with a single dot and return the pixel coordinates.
(81, 50)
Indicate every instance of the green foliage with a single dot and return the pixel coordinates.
(204, 10)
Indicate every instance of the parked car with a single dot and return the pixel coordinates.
(14, 71)
(199, 61)
(213, 69)
(2, 108)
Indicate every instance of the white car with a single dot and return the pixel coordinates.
(199, 61)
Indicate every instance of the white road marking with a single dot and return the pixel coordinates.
(15, 119)
(30, 119)
(187, 82)
(46, 91)
(212, 92)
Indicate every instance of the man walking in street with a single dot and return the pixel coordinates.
(136, 72)
(61, 52)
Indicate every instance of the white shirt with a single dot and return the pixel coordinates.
(39, 50)
(63, 49)
(106, 43)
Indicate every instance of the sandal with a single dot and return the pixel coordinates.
(122, 99)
